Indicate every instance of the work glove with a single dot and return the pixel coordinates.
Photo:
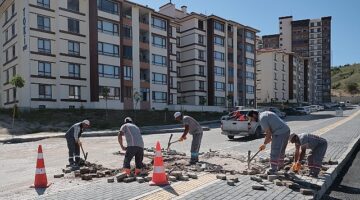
(262, 147)
(296, 167)
(182, 138)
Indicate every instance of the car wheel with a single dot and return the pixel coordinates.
(231, 137)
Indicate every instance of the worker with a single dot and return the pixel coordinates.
(135, 146)
(73, 141)
(277, 132)
(193, 127)
(318, 148)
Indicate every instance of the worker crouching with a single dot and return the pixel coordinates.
(73, 141)
(316, 144)
(135, 145)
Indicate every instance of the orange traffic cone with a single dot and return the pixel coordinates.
(159, 176)
(40, 174)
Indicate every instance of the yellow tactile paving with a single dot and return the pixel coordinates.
(180, 188)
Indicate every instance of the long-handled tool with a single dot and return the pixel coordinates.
(85, 154)
(170, 143)
(250, 159)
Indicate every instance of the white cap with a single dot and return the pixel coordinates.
(87, 122)
(177, 114)
(128, 119)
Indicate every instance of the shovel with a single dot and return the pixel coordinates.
(85, 154)
(170, 143)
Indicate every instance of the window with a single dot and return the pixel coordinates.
(249, 62)
(12, 30)
(108, 6)
(159, 97)
(275, 76)
(201, 55)
(74, 70)
(44, 46)
(74, 92)
(201, 85)
(13, 51)
(200, 39)
(249, 48)
(43, 3)
(200, 24)
(158, 60)
(202, 70)
(6, 34)
(114, 92)
(73, 25)
(219, 86)
(218, 40)
(219, 26)
(45, 91)
(275, 85)
(231, 87)
(231, 72)
(43, 22)
(249, 35)
(13, 9)
(108, 27)
(219, 56)
(44, 69)
(160, 79)
(109, 49)
(219, 71)
(109, 71)
(283, 77)
(128, 73)
(159, 41)
(158, 23)
(145, 92)
(171, 98)
(6, 15)
(250, 75)
(73, 48)
(283, 86)
(127, 31)
(230, 42)
(219, 101)
(250, 89)
(73, 5)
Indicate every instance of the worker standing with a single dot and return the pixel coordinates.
(318, 146)
(135, 145)
(73, 141)
(193, 127)
(277, 132)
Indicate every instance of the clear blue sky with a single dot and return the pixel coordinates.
(263, 15)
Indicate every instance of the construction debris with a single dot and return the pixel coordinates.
(86, 177)
(172, 178)
(234, 178)
(258, 187)
(221, 177)
(255, 178)
(192, 175)
(306, 191)
(140, 179)
(278, 182)
(110, 180)
(184, 178)
(58, 175)
(129, 179)
(231, 183)
(121, 176)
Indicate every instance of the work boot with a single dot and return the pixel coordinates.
(137, 172)
(270, 171)
(127, 171)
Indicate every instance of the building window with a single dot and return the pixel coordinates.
(230, 42)
(43, 23)
(127, 31)
(201, 85)
(44, 46)
(283, 77)
(44, 68)
(231, 87)
(43, 3)
(114, 92)
(219, 86)
(275, 85)
(13, 48)
(159, 97)
(159, 41)
(250, 75)
(249, 35)
(73, 5)
(219, 71)
(218, 40)
(160, 79)
(283, 86)
(109, 71)
(74, 70)
(249, 48)
(219, 26)
(201, 55)
(219, 101)
(74, 92)
(128, 73)
(249, 62)
(108, 6)
(250, 89)
(275, 76)
(109, 49)
(200, 39)
(145, 94)
(73, 25)
(73, 48)
(128, 92)
(201, 24)
(202, 70)
(219, 56)
(231, 72)
(45, 91)
(108, 27)
(158, 23)
(158, 60)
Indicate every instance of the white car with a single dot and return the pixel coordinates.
(303, 110)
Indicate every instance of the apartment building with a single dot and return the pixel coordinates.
(311, 39)
(216, 59)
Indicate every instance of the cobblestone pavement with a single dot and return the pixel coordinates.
(18, 171)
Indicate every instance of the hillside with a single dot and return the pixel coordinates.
(342, 76)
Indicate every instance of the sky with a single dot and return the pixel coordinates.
(263, 15)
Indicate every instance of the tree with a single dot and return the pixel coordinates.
(18, 82)
(105, 93)
(352, 87)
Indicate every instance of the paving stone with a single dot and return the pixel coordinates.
(84, 170)
(172, 178)
(58, 175)
(266, 183)
(177, 174)
(86, 177)
(77, 173)
(93, 175)
(184, 178)
(110, 180)
(121, 176)
(107, 172)
(100, 174)
(278, 182)
(192, 175)
(258, 187)
(306, 191)
(140, 179)
(231, 183)
(129, 179)
(92, 170)
(263, 176)
(221, 176)
(149, 178)
(272, 177)
(67, 171)
(234, 178)
(255, 178)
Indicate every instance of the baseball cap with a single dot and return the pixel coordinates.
(177, 114)
(87, 122)
(128, 119)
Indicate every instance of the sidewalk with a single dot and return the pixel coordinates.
(174, 128)
(342, 138)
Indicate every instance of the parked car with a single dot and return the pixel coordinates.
(292, 111)
(313, 108)
(342, 104)
(276, 111)
(232, 127)
(321, 107)
(303, 110)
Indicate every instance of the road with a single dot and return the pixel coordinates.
(18, 160)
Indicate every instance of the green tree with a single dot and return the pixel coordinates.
(352, 87)
(105, 93)
(18, 82)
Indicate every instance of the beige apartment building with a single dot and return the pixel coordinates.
(69, 51)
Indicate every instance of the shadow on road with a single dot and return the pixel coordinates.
(40, 191)
(309, 117)
(170, 189)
